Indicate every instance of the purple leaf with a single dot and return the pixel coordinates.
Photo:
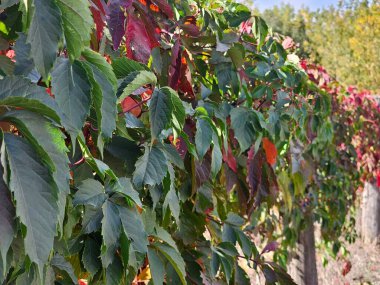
(272, 246)
(116, 20)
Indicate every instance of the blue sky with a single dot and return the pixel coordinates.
(312, 4)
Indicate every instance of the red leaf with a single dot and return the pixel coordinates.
(346, 268)
(185, 80)
(288, 43)
(254, 170)
(139, 44)
(48, 91)
(231, 178)
(272, 246)
(270, 151)
(82, 282)
(202, 170)
(99, 10)
(116, 20)
(181, 147)
(191, 30)
(230, 159)
(165, 7)
(175, 66)
(131, 105)
(190, 26)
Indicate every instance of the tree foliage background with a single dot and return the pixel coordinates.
(343, 39)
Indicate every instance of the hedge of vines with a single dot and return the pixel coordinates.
(141, 139)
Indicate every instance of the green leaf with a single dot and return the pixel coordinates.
(16, 91)
(151, 168)
(125, 187)
(24, 64)
(133, 81)
(114, 272)
(156, 264)
(36, 196)
(227, 78)
(216, 156)
(49, 142)
(172, 201)
(77, 25)
(8, 3)
(134, 228)
(91, 219)
(90, 256)
(100, 62)
(260, 30)
(237, 53)
(178, 114)
(165, 236)
(44, 34)
(236, 13)
(160, 111)
(90, 192)
(132, 122)
(174, 258)
(111, 228)
(122, 67)
(104, 99)
(203, 137)
(243, 122)
(6, 66)
(172, 155)
(72, 92)
(61, 263)
(7, 222)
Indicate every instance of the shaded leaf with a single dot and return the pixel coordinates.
(174, 258)
(16, 91)
(156, 264)
(114, 272)
(90, 192)
(62, 264)
(24, 64)
(134, 228)
(7, 222)
(91, 256)
(44, 34)
(111, 229)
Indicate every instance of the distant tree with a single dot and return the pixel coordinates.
(285, 20)
(344, 39)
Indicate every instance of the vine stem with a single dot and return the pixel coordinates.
(136, 105)
(80, 161)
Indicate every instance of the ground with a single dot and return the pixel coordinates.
(365, 267)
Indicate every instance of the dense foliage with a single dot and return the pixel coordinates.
(144, 140)
(343, 39)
